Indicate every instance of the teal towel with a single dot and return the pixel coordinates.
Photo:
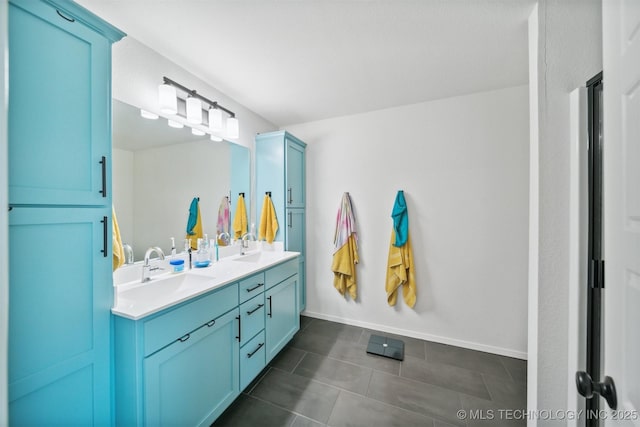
(400, 220)
(193, 216)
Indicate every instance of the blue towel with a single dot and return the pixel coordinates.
(193, 216)
(400, 220)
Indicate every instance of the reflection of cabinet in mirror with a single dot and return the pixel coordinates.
(157, 170)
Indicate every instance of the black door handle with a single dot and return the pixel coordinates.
(250, 312)
(587, 388)
(239, 329)
(270, 314)
(103, 162)
(105, 236)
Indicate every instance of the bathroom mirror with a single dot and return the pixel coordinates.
(157, 170)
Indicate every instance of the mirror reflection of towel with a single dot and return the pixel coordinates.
(240, 219)
(223, 216)
(194, 223)
(268, 221)
(118, 249)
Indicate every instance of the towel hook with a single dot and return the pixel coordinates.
(241, 194)
(267, 193)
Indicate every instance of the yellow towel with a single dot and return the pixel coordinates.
(400, 272)
(197, 230)
(268, 221)
(118, 250)
(240, 219)
(344, 267)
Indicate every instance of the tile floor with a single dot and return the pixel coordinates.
(325, 377)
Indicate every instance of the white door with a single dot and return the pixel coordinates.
(621, 158)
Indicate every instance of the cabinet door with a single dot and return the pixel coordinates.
(191, 382)
(295, 197)
(59, 317)
(295, 230)
(282, 321)
(59, 109)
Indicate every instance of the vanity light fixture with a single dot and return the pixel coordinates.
(194, 110)
(148, 114)
(233, 127)
(197, 132)
(215, 119)
(167, 97)
(175, 124)
(216, 138)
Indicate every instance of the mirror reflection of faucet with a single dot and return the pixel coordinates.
(244, 242)
(146, 267)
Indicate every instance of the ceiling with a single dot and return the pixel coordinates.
(295, 61)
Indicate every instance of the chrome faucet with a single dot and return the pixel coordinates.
(244, 242)
(225, 237)
(146, 267)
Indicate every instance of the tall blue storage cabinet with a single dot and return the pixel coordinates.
(60, 282)
(280, 169)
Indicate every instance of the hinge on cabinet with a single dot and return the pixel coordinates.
(597, 272)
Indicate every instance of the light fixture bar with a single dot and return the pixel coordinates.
(194, 94)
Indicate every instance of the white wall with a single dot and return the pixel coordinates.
(570, 43)
(534, 216)
(4, 246)
(463, 165)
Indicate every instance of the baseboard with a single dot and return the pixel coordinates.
(427, 337)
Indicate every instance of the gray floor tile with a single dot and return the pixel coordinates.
(511, 394)
(412, 346)
(287, 359)
(517, 368)
(305, 422)
(334, 372)
(305, 321)
(313, 342)
(334, 331)
(358, 355)
(485, 413)
(256, 380)
(447, 376)
(297, 394)
(352, 410)
(485, 363)
(251, 412)
(415, 396)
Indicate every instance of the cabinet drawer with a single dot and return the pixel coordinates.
(251, 286)
(281, 272)
(252, 314)
(252, 360)
(167, 328)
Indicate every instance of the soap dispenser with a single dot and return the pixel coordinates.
(202, 255)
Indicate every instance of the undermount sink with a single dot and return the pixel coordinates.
(161, 288)
(250, 258)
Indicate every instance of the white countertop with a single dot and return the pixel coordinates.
(135, 300)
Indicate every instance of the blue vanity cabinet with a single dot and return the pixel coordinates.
(281, 169)
(59, 316)
(59, 117)
(60, 259)
(281, 303)
(180, 366)
(192, 381)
